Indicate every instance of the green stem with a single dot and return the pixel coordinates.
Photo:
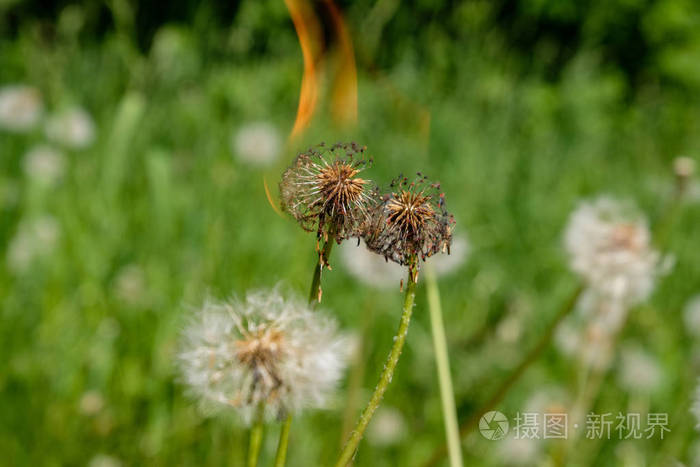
(256, 435)
(323, 255)
(314, 298)
(281, 456)
(514, 376)
(443, 368)
(351, 446)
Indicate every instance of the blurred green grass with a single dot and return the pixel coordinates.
(160, 193)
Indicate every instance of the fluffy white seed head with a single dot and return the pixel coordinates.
(44, 164)
(444, 264)
(695, 408)
(609, 245)
(691, 316)
(73, 128)
(265, 350)
(20, 107)
(104, 460)
(519, 451)
(369, 268)
(35, 239)
(639, 371)
(375, 271)
(257, 143)
(388, 427)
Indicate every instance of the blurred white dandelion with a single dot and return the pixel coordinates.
(596, 348)
(567, 338)
(375, 271)
(639, 371)
(34, 239)
(444, 264)
(20, 107)
(519, 451)
(691, 316)
(551, 399)
(73, 128)
(91, 403)
(610, 247)
(695, 408)
(684, 166)
(388, 427)
(370, 268)
(130, 285)
(257, 143)
(44, 164)
(265, 350)
(510, 328)
(104, 460)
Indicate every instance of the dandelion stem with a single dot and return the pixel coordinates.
(314, 297)
(443, 367)
(281, 456)
(515, 375)
(256, 434)
(387, 374)
(323, 255)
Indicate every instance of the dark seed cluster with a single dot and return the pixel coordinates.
(324, 192)
(322, 188)
(411, 222)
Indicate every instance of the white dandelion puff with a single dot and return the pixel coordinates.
(44, 164)
(376, 271)
(567, 338)
(264, 350)
(691, 316)
(549, 400)
(20, 107)
(444, 264)
(610, 248)
(684, 167)
(34, 239)
(639, 371)
(369, 268)
(695, 408)
(73, 128)
(130, 285)
(514, 450)
(91, 403)
(257, 143)
(388, 427)
(104, 460)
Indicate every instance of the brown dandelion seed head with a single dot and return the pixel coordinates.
(323, 188)
(260, 348)
(411, 222)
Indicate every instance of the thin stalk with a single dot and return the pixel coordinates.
(449, 410)
(514, 376)
(256, 435)
(281, 456)
(387, 374)
(323, 255)
(314, 298)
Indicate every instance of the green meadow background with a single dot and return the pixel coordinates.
(519, 108)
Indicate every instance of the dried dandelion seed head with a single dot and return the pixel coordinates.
(323, 188)
(265, 350)
(610, 247)
(411, 222)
